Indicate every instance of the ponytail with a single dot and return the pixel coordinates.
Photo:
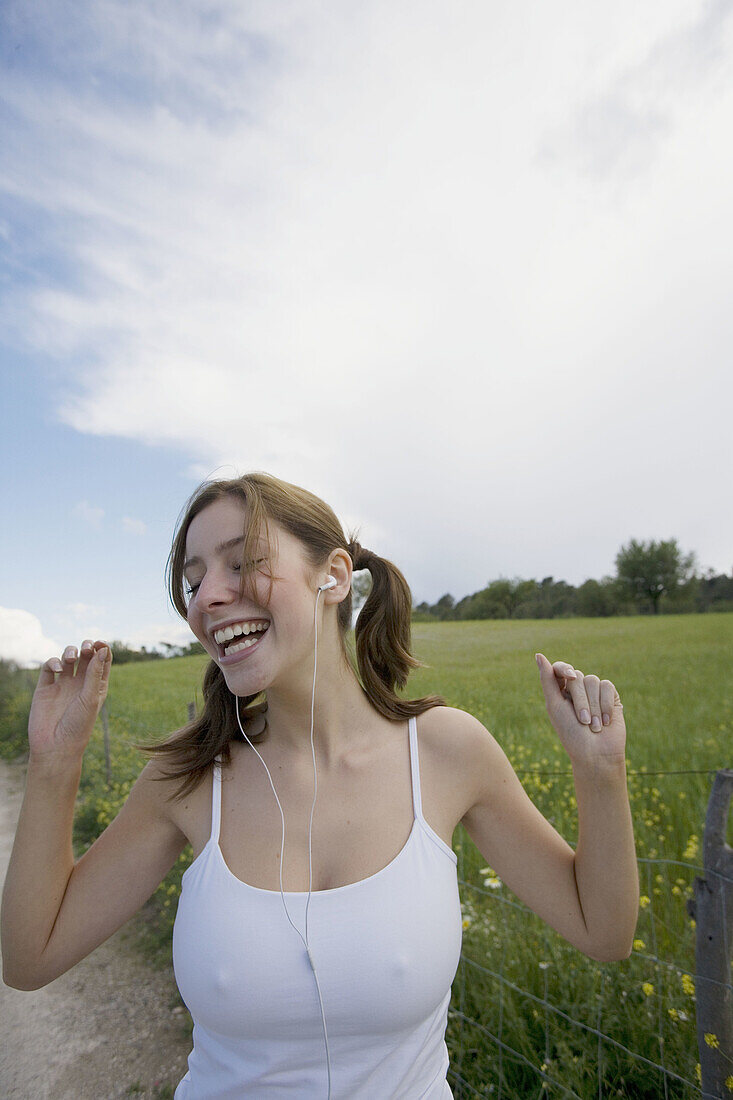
(382, 635)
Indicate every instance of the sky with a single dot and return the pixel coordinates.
(461, 269)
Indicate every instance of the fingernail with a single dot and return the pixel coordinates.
(585, 716)
(102, 653)
(595, 724)
(606, 720)
(537, 659)
(56, 665)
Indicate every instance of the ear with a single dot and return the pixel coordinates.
(340, 567)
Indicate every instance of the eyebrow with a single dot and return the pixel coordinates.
(220, 549)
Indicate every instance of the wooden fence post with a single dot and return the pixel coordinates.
(105, 727)
(712, 908)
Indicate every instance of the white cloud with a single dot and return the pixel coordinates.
(154, 634)
(133, 526)
(22, 639)
(77, 611)
(450, 268)
(88, 514)
(82, 620)
(628, 111)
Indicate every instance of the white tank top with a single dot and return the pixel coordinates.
(386, 950)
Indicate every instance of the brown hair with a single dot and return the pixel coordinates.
(383, 658)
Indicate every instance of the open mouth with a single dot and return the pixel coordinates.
(237, 637)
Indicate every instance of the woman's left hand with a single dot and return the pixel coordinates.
(586, 712)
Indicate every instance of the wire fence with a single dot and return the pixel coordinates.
(510, 1039)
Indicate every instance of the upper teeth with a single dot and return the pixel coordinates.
(229, 632)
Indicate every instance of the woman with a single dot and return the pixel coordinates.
(315, 948)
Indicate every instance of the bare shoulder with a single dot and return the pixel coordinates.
(154, 786)
(465, 752)
(157, 783)
(454, 732)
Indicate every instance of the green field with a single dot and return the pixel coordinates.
(674, 675)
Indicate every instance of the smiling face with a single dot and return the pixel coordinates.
(265, 633)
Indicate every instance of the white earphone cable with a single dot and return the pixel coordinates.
(310, 827)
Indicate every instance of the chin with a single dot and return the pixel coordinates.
(247, 684)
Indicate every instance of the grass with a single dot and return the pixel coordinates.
(674, 677)
(505, 1032)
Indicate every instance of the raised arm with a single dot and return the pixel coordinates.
(54, 912)
(590, 895)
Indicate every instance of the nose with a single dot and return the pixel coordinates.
(217, 587)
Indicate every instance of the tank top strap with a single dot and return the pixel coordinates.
(415, 769)
(216, 799)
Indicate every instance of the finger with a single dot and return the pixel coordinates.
(593, 691)
(579, 698)
(68, 659)
(551, 685)
(48, 670)
(105, 657)
(86, 653)
(563, 671)
(94, 680)
(608, 697)
(107, 663)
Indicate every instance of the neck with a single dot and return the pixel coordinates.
(341, 711)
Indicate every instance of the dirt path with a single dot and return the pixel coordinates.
(108, 1028)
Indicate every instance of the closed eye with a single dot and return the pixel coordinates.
(236, 566)
(253, 564)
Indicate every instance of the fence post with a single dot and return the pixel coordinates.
(105, 727)
(712, 908)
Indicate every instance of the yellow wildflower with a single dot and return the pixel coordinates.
(691, 850)
(643, 901)
(466, 922)
(729, 1084)
(688, 985)
(673, 1013)
(648, 988)
(639, 945)
(712, 1040)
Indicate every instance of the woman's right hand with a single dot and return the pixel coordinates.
(66, 702)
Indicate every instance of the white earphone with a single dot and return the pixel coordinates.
(331, 582)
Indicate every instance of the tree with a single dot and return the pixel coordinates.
(715, 592)
(648, 570)
(444, 607)
(595, 598)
